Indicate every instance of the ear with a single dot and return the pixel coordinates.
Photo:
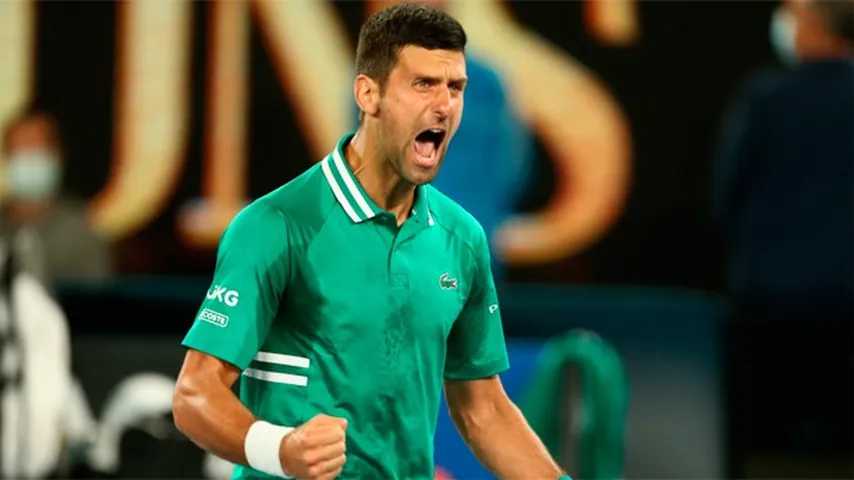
(367, 94)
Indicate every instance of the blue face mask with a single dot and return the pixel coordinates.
(782, 36)
(32, 175)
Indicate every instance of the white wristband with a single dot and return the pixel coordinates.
(261, 446)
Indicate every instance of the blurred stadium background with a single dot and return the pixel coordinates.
(603, 205)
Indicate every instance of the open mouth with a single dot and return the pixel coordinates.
(427, 145)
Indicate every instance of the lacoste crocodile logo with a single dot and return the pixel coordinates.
(447, 282)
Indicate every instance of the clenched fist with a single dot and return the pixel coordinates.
(316, 449)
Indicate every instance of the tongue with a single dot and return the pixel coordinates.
(425, 149)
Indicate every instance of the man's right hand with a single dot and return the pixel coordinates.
(316, 449)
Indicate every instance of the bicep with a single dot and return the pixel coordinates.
(201, 371)
(206, 410)
(474, 395)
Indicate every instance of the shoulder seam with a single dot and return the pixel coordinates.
(457, 235)
(439, 221)
(479, 228)
(326, 216)
(472, 249)
(285, 220)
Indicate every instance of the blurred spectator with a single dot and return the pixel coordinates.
(48, 229)
(44, 416)
(784, 197)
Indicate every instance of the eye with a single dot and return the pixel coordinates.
(421, 83)
(457, 87)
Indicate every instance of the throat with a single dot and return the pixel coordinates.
(380, 180)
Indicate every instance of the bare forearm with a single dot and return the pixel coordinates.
(206, 410)
(212, 417)
(502, 440)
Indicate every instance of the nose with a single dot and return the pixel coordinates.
(442, 103)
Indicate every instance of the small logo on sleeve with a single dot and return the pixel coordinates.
(447, 282)
(493, 308)
(224, 295)
(216, 318)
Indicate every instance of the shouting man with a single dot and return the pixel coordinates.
(348, 297)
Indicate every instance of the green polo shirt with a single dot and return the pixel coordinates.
(327, 306)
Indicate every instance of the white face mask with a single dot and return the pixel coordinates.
(32, 175)
(782, 36)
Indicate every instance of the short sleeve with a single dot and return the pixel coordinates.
(243, 298)
(476, 347)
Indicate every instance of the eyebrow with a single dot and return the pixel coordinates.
(434, 80)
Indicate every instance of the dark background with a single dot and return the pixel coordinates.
(673, 84)
(653, 285)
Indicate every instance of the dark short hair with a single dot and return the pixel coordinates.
(386, 32)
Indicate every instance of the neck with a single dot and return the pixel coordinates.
(380, 180)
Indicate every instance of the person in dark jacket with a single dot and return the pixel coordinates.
(784, 200)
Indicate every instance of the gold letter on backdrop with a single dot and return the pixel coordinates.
(151, 114)
(16, 51)
(613, 22)
(311, 56)
(315, 66)
(310, 52)
(578, 121)
(224, 165)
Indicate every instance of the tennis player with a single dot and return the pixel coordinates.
(347, 298)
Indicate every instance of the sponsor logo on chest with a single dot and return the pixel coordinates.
(446, 282)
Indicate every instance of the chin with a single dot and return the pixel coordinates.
(416, 175)
(421, 178)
